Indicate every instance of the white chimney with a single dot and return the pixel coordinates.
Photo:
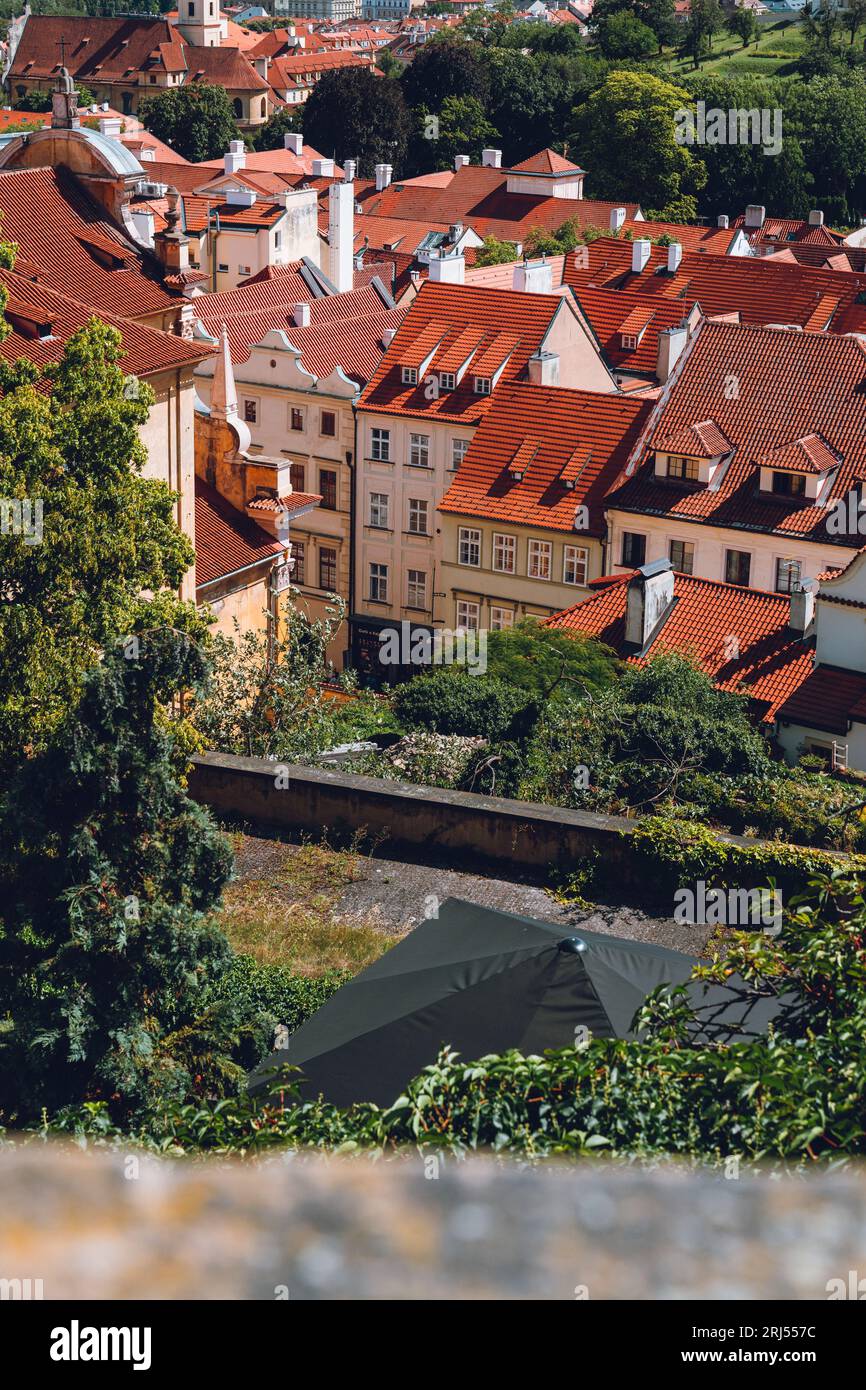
(802, 610)
(671, 342)
(544, 368)
(383, 176)
(293, 140)
(235, 157)
(640, 254)
(533, 277)
(388, 337)
(675, 255)
(460, 162)
(110, 126)
(241, 197)
(301, 315)
(650, 594)
(449, 270)
(722, 220)
(350, 167)
(816, 218)
(755, 215)
(341, 235)
(323, 168)
(491, 159)
(617, 218)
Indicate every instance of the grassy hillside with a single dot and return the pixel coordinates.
(780, 41)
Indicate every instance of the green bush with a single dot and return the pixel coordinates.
(449, 701)
(258, 996)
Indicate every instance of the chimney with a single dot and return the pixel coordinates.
(170, 245)
(649, 596)
(460, 162)
(533, 277)
(802, 610)
(671, 342)
(675, 255)
(544, 368)
(722, 220)
(235, 157)
(350, 167)
(617, 218)
(455, 231)
(383, 176)
(293, 140)
(640, 254)
(110, 126)
(301, 315)
(388, 337)
(341, 235)
(816, 218)
(755, 215)
(323, 168)
(491, 159)
(450, 270)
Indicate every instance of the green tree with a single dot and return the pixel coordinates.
(625, 135)
(540, 242)
(462, 128)
(495, 252)
(742, 24)
(706, 18)
(196, 119)
(70, 450)
(547, 663)
(622, 35)
(446, 67)
(353, 114)
(853, 18)
(108, 874)
(270, 135)
(830, 118)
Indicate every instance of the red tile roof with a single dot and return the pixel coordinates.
(226, 540)
(829, 698)
(784, 230)
(790, 386)
(33, 307)
(771, 661)
(547, 162)
(557, 437)
(225, 67)
(59, 229)
(512, 326)
(96, 49)
(609, 313)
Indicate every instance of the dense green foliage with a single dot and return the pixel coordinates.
(197, 120)
(452, 701)
(354, 114)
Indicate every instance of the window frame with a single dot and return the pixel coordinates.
(499, 536)
(464, 534)
(537, 548)
(575, 550)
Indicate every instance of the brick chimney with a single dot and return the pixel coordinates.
(802, 611)
(671, 342)
(649, 597)
(543, 368)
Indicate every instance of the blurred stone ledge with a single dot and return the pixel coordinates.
(329, 1228)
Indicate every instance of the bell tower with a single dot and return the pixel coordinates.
(199, 22)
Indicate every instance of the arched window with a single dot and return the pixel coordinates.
(22, 91)
(127, 103)
(264, 108)
(238, 106)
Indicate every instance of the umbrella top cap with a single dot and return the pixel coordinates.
(572, 945)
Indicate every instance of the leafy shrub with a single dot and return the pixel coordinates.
(260, 996)
(449, 701)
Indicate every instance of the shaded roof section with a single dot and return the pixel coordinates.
(612, 313)
(226, 541)
(96, 49)
(568, 446)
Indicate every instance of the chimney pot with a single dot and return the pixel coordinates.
(722, 220)
(460, 162)
(640, 254)
(675, 255)
(301, 315)
(755, 215)
(349, 169)
(383, 176)
(491, 159)
(293, 140)
(816, 218)
(617, 218)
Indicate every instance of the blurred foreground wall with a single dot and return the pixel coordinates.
(105, 1225)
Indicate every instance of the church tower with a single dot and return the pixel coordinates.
(199, 22)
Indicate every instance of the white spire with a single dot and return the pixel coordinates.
(224, 396)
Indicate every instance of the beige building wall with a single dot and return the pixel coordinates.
(169, 438)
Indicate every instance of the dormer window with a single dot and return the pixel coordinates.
(789, 484)
(447, 381)
(410, 376)
(679, 466)
(628, 341)
(483, 385)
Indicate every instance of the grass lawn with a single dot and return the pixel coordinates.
(780, 42)
(284, 907)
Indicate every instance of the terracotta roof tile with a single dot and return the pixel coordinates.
(225, 539)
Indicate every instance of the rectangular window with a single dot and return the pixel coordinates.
(789, 484)
(328, 488)
(244, 270)
(633, 549)
(483, 386)
(504, 553)
(278, 240)
(575, 564)
(467, 616)
(501, 618)
(416, 596)
(788, 574)
(459, 450)
(419, 450)
(380, 445)
(447, 380)
(738, 564)
(328, 426)
(682, 556)
(683, 468)
(223, 267)
(298, 477)
(379, 509)
(379, 583)
(296, 418)
(538, 562)
(469, 546)
(419, 511)
(251, 411)
(327, 568)
(410, 376)
(629, 341)
(298, 573)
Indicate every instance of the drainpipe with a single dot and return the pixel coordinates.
(351, 460)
